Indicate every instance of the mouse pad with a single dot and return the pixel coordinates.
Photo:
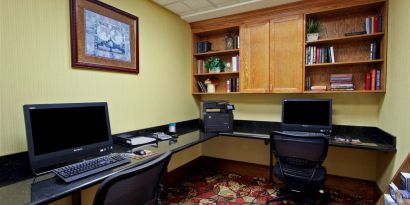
(147, 154)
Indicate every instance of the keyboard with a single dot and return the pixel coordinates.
(299, 133)
(86, 168)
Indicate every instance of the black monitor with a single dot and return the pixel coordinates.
(59, 133)
(310, 115)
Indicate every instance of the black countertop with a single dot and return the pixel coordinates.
(18, 185)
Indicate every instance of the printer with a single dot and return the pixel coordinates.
(217, 116)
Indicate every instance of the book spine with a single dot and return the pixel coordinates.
(380, 23)
(373, 85)
(234, 68)
(228, 86)
(376, 24)
(371, 50)
(371, 24)
(378, 72)
(332, 52)
(237, 84)
(367, 81)
(238, 42)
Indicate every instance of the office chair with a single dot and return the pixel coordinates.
(299, 164)
(137, 185)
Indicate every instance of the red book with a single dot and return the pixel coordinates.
(376, 24)
(317, 55)
(373, 79)
(367, 81)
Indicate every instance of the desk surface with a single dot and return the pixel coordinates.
(48, 188)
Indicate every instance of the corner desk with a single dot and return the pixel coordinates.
(27, 189)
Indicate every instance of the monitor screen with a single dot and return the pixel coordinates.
(61, 132)
(307, 114)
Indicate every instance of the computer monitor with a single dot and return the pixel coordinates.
(59, 133)
(310, 115)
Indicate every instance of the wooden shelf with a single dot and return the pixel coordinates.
(224, 52)
(346, 39)
(347, 91)
(221, 73)
(345, 63)
(232, 93)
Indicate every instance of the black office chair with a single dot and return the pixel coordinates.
(137, 185)
(299, 164)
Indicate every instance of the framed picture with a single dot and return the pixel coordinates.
(103, 37)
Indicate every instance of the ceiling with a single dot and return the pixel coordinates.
(197, 10)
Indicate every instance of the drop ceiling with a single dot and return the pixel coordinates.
(198, 10)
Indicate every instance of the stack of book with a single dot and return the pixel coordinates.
(372, 80)
(235, 63)
(318, 88)
(232, 85)
(203, 46)
(373, 24)
(374, 50)
(200, 65)
(398, 195)
(341, 81)
(315, 55)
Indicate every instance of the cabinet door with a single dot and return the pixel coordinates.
(286, 54)
(254, 58)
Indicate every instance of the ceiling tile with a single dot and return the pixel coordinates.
(198, 4)
(178, 7)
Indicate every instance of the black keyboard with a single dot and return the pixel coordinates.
(298, 133)
(86, 168)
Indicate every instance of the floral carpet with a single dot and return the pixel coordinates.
(216, 188)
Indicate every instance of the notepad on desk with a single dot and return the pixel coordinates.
(135, 140)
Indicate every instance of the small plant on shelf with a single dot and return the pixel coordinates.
(214, 65)
(312, 29)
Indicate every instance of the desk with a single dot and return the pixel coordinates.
(48, 188)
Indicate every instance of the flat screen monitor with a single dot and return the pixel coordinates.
(311, 115)
(59, 133)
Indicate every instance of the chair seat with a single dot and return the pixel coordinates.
(301, 183)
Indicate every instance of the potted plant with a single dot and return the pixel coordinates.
(214, 65)
(312, 28)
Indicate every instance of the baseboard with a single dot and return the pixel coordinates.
(355, 187)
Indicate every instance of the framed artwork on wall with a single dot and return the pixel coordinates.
(103, 37)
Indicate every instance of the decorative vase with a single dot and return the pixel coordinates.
(215, 70)
(312, 37)
(210, 88)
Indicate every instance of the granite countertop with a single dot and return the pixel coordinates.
(18, 185)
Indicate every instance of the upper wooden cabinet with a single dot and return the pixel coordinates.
(286, 54)
(254, 58)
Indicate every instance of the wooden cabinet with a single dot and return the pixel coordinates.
(254, 57)
(286, 54)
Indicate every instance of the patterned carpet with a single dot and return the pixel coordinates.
(213, 188)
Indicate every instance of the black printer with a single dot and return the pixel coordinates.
(217, 116)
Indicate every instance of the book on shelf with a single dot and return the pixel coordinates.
(236, 41)
(316, 55)
(308, 83)
(235, 63)
(374, 50)
(203, 46)
(200, 65)
(372, 80)
(373, 24)
(341, 82)
(201, 86)
(232, 85)
(318, 88)
(397, 194)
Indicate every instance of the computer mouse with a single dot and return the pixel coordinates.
(140, 152)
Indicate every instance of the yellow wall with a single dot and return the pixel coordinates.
(394, 109)
(348, 109)
(36, 68)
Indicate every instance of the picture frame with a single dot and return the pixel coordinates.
(103, 37)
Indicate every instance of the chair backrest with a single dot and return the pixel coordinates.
(137, 185)
(299, 156)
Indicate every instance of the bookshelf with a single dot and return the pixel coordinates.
(351, 53)
(219, 49)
